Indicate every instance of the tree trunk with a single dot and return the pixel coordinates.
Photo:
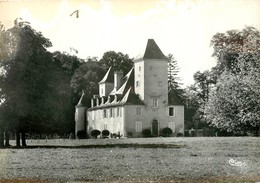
(18, 139)
(23, 139)
(1, 138)
(7, 138)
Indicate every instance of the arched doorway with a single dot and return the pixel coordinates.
(155, 128)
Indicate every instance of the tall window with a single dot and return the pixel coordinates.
(155, 102)
(118, 112)
(171, 125)
(111, 112)
(104, 113)
(138, 110)
(138, 126)
(171, 111)
(93, 115)
(160, 83)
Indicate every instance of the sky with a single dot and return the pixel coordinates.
(183, 28)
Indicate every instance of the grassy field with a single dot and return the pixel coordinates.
(208, 159)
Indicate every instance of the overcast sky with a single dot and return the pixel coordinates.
(182, 28)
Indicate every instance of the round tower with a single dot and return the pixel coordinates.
(80, 118)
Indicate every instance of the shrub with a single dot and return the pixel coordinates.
(129, 134)
(179, 134)
(146, 132)
(114, 135)
(105, 133)
(95, 133)
(81, 134)
(166, 132)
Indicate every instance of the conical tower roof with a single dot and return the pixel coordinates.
(81, 100)
(152, 51)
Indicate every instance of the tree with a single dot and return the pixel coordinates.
(233, 103)
(86, 78)
(228, 46)
(118, 61)
(28, 81)
(174, 85)
(191, 107)
(65, 65)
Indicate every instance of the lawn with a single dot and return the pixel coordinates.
(204, 159)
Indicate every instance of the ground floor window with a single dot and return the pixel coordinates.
(93, 115)
(171, 125)
(111, 112)
(138, 126)
(104, 113)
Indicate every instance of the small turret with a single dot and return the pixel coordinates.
(80, 118)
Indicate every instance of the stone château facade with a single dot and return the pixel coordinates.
(134, 102)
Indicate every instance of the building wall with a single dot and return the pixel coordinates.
(132, 120)
(153, 80)
(113, 123)
(126, 122)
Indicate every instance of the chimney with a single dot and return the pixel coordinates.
(118, 76)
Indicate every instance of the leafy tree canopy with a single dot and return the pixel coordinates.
(233, 103)
(118, 61)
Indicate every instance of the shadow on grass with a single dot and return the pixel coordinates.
(103, 146)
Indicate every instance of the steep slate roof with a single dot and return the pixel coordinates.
(128, 82)
(109, 77)
(152, 51)
(173, 98)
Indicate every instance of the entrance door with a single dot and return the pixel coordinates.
(155, 128)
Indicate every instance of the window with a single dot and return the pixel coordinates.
(111, 112)
(118, 112)
(155, 102)
(139, 68)
(138, 110)
(138, 126)
(160, 83)
(93, 115)
(171, 111)
(171, 125)
(137, 83)
(104, 113)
